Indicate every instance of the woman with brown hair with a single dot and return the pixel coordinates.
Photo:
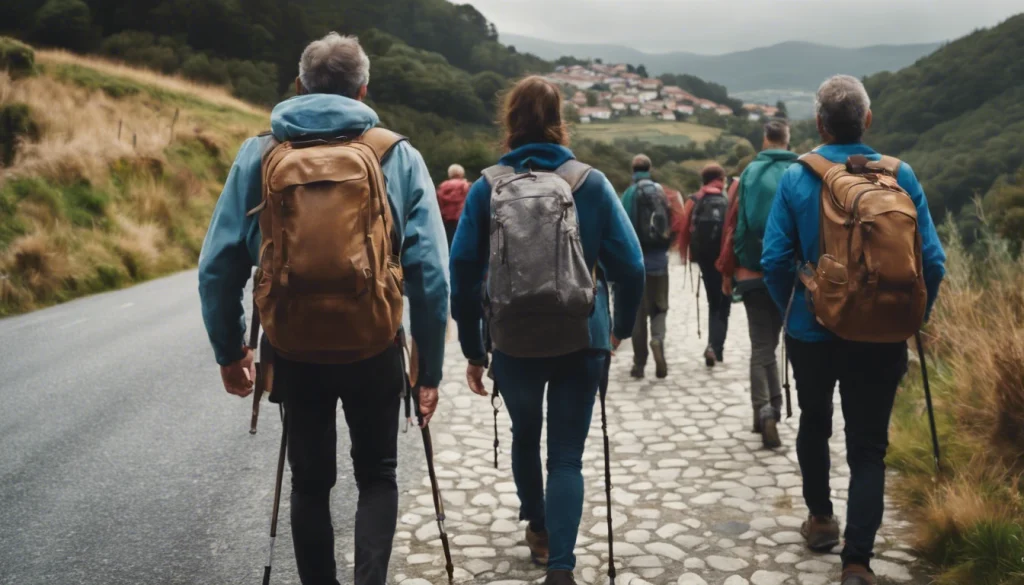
(537, 140)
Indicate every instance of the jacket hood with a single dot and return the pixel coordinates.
(542, 156)
(641, 175)
(319, 115)
(716, 186)
(776, 155)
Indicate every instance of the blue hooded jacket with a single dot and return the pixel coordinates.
(792, 235)
(232, 243)
(605, 232)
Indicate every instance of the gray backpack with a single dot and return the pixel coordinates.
(540, 291)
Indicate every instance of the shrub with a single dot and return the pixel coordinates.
(65, 23)
(17, 58)
(16, 125)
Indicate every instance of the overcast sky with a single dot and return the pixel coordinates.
(708, 26)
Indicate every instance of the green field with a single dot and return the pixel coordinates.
(654, 132)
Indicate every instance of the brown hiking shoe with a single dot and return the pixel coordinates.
(821, 533)
(560, 578)
(538, 544)
(770, 433)
(709, 357)
(660, 366)
(854, 574)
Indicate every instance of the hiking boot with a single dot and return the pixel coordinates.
(709, 357)
(560, 578)
(854, 574)
(821, 533)
(538, 544)
(770, 433)
(719, 356)
(637, 372)
(660, 367)
(757, 423)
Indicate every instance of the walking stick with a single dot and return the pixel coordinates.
(277, 496)
(785, 382)
(700, 278)
(428, 447)
(928, 401)
(603, 392)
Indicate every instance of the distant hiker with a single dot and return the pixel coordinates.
(897, 261)
(330, 298)
(451, 195)
(700, 240)
(650, 210)
(548, 318)
(740, 259)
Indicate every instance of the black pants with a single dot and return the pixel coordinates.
(719, 307)
(449, 231)
(370, 394)
(868, 374)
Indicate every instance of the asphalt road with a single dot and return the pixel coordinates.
(124, 462)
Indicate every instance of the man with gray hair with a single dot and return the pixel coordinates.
(868, 373)
(740, 259)
(327, 137)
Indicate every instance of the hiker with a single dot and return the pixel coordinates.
(700, 241)
(451, 195)
(336, 336)
(907, 266)
(548, 319)
(740, 260)
(650, 210)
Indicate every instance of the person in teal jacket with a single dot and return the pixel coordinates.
(536, 138)
(332, 83)
(868, 373)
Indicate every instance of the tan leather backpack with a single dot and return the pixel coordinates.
(868, 284)
(329, 284)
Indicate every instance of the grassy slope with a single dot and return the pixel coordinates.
(654, 132)
(82, 210)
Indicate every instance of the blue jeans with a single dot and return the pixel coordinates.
(572, 383)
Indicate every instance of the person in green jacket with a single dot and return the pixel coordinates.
(740, 261)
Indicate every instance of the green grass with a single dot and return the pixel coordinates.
(651, 131)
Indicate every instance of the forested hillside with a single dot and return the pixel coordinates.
(958, 117)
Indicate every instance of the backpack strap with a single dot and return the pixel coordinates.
(889, 164)
(817, 164)
(381, 141)
(497, 173)
(575, 173)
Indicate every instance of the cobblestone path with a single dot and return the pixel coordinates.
(697, 500)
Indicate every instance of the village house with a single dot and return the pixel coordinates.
(685, 109)
(723, 111)
(595, 113)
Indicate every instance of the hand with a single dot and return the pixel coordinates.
(727, 287)
(616, 342)
(240, 377)
(475, 378)
(428, 404)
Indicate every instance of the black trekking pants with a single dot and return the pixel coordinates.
(868, 374)
(370, 392)
(719, 307)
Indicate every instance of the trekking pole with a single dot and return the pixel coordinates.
(603, 392)
(428, 447)
(700, 277)
(496, 405)
(785, 382)
(928, 401)
(277, 496)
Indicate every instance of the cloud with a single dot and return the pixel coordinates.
(707, 26)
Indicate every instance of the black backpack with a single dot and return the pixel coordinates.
(708, 224)
(652, 217)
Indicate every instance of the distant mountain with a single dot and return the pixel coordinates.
(786, 66)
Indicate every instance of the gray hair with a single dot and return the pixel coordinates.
(334, 64)
(456, 172)
(777, 132)
(642, 163)
(843, 104)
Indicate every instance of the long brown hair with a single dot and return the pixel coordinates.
(532, 112)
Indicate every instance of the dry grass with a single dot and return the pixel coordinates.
(208, 93)
(970, 522)
(83, 210)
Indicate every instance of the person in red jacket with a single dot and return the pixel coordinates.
(451, 196)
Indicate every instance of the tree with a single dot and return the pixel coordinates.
(599, 61)
(64, 23)
(781, 106)
(641, 71)
(592, 97)
(630, 69)
(572, 113)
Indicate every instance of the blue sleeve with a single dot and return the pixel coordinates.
(470, 251)
(931, 248)
(622, 261)
(424, 258)
(778, 253)
(225, 262)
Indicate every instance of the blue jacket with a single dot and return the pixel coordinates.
(655, 259)
(605, 232)
(794, 222)
(232, 243)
